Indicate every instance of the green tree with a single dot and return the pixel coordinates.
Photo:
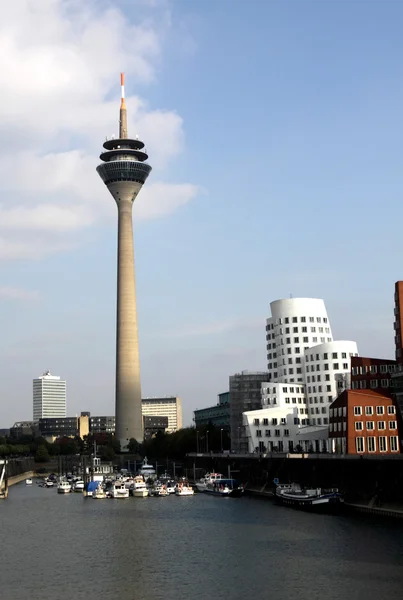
(133, 446)
(42, 454)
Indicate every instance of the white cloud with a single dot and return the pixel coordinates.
(15, 293)
(60, 98)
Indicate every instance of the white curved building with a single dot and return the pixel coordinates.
(295, 325)
(307, 371)
(327, 372)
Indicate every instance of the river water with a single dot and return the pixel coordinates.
(64, 547)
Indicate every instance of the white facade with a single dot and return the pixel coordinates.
(169, 406)
(327, 370)
(307, 371)
(49, 396)
(295, 325)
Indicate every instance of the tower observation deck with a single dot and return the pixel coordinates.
(124, 171)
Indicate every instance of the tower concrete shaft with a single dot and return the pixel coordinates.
(124, 172)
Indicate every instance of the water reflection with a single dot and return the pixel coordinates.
(58, 547)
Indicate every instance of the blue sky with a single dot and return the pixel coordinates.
(275, 134)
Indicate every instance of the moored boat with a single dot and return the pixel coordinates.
(229, 488)
(184, 489)
(63, 487)
(28, 481)
(139, 488)
(158, 489)
(294, 495)
(99, 493)
(78, 486)
(207, 479)
(118, 490)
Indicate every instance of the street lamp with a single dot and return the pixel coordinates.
(222, 448)
(207, 441)
(197, 442)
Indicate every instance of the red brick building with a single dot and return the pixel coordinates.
(364, 422)
(372, 373)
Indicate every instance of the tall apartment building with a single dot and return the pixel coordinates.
(245, 395)
(305, 367)
(167, 406)
(49, 396)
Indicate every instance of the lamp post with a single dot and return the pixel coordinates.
(207, 441)
(197, 442)
(222, 448)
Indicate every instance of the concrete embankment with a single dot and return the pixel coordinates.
(20, 477)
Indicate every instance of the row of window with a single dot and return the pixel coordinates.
(373, 384)
(291, 390)
(359, 425)
(316, 378)
(380, 410)
(325, 367)
(288, 320)
(373, 369)
(369, 444)
(325, 356)
(316, 400)
(312, 389)
(277, 433)
(287, 331)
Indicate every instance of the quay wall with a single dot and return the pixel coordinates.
(21, 477)
(377, 479)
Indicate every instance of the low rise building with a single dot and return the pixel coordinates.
(371, 373)
(165, 406)
(64, 427)
(154, 425)
(364, 421)
(218, 415)
(102, 424)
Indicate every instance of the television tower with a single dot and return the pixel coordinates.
(124, 171)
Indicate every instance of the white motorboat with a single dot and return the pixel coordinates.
(209, 478)
(118, 490)
(184, 489)
(79, 486)
(49, 483)
(139, 488)
(147, 470)
(63, 487)
(158, 490)
(99, 493)
(28, 481)
(171, 486)
(225, 487)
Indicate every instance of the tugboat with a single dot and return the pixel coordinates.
(308, 498)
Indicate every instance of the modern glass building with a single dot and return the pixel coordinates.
(218, 415)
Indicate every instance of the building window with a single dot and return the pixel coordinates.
(295, 329)
(311, 319)
(296, 420)
(359, 444)
(381, 425)
(344, 354)
(304, 329)
(373, 369)
(259, 433)
(303, 319)
(371, 444)
(274, 422)
(329, 389)
(384, 368)
(267, 433)
(313, 329)
(379, 410)
(373, 384)
(383, 443)
(286, 432)
(394, 444)
(334, 355)
(345, 366)
(256, 421)
(297, 350)
(357, 411)
(391, 410)
(277, 432)
(369, 411)
(295, 319)
(265, 421)
(336, 366)
(283, 421)
(370, 425)
(358, 426)
(392, 424)
(296, 340)
(305, 340)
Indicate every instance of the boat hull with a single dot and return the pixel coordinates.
(237, 493)
(325, 503)
(63, 491)
(140, 493)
